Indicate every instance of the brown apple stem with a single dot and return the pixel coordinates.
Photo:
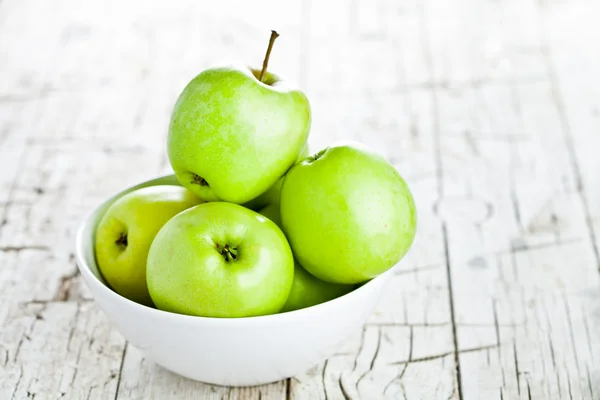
(274, 35)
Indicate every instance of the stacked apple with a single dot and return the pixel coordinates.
(257, 227)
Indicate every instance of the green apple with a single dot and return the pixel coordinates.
(307, 290)
(125, 232)
(232, 136)
(271, 196)
(347, 213)
(220, 260)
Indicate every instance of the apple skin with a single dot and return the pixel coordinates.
(347, 213)
(271, 196)
(125, 233)
(307, 290)
(220, 260)
(231, 137)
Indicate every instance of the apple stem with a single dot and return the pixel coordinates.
(274, 35)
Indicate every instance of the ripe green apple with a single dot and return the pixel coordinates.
(232, 136)
(125, 232)
(220, 260)
(271, 196)
(307, 290)
(347, 213)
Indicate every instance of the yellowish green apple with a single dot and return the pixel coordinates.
(220, 260)
(125, 232)
(347, 213)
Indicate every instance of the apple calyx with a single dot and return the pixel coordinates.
(228, 252)
(317, 156)
(198, 180)
(274, 35)
(122, 240)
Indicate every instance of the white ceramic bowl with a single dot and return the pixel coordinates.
(227, 351)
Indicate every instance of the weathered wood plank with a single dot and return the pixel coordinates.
(519, 251)
(58, 349)
(520, 258)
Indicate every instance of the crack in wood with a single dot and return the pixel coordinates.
(323, 378)
(89, 395)
(513, 260)
(571, 334)
(541, 246)
(404, 307)
(586, 328)
(18, 349)
(19, 248)
(17, 383)
(74, 376)
(589, 381)
(24, 203)
(288, 389)
(403, 390)
(551, 350)
(66, 283)
(362, 341)
(456, 86)
(517, 373)
(452, 310)
(408, 325)
(372, 364)
(416, 270)
(441, 355)
(405, 366)
(484, 325)
(569, 385)
(26, 336)
(453, 393)
(511, 147)
(472, 144)
(52, 301)
(343, 389)
(496, 328)
(121, 370)
(20, 160)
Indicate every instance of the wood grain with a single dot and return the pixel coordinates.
(488, 109)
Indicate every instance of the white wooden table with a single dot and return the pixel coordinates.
(490, 109)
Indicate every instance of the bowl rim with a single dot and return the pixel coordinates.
(91, 279)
